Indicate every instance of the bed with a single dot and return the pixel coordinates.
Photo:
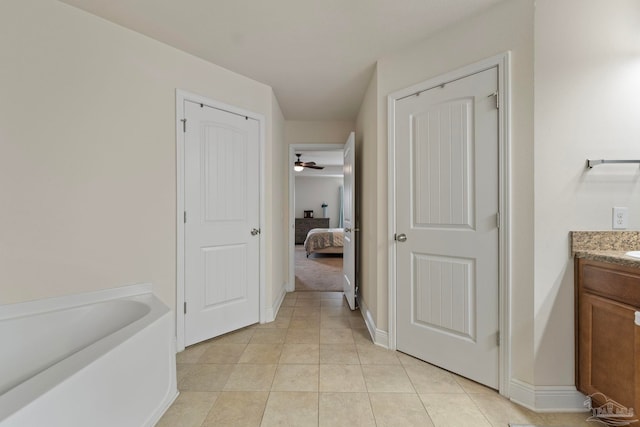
(324, 240)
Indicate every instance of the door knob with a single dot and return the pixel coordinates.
(347, 230)
(255, 231)
(401, 237)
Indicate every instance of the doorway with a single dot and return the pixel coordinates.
(448, 163)
(315, 201)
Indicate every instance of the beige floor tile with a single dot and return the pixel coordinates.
(334, 302)
(500, 411)
(307, 302)
(295, 409)
(331, 295)
(345, 410)
(183, 369)
(241, 336)
(334, 311)
(472, 387)
(261, 353)
(407, 360)
(306, 312)
(313, 316)
(430, 379)
(309, 295)
(386, 378)
(453, 410)
(362, 336)
(303, 336)
(284, 312)
(192, 354)
(376, 355)
(304, 323)
(296, 378)
(341, 378)
(206, 377)
(300, 353)
(288, 302)
(279, 323)
(248, 377)
(329, 377)
(341, 354)
(222, 353)
(357, 322)
(335, 322)
(237, 409)
(189, 410)
(336, 336)
(568, 420)
(399, 409)
(268, 336)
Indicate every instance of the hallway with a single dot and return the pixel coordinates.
(315, 365)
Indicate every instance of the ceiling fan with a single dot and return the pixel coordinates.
(299, 165)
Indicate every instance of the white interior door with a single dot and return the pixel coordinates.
(447, 288)
(222, 173)
(349, 256)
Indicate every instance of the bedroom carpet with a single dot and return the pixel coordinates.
(319, 272)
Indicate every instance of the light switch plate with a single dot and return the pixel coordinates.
(620, 218)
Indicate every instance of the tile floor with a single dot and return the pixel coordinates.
(315, 365)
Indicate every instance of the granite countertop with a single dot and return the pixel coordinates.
(606, 246)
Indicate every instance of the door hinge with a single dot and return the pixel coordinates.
(184, 125)
(498, 338)
(185, 307)
(496, 94)
(498, 219)
(185, 217)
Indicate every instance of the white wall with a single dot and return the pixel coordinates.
(276, 190)
(367, 198)
(87, 151)
(311, 192)
(317, 132)
(507, 26)
(587, 105)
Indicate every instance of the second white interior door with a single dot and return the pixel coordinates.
(447, 288)
(222, 240)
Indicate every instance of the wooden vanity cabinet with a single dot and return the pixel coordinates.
(607, 338)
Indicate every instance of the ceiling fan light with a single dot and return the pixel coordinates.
(298, 168)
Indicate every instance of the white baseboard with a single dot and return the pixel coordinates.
(378, 336)
(547, 398)
(272, 311)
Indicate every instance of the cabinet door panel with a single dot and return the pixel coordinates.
(607, 356)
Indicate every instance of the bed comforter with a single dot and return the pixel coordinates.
(322, 238)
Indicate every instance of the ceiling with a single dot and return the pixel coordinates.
(318, 55)
(332, 161)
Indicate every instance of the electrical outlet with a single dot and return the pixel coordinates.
(620, 218)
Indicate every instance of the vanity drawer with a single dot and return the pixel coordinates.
(612, 281)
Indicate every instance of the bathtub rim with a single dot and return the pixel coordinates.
(63, 302)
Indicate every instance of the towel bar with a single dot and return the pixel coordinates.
(592, 163)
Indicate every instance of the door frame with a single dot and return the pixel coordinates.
(502, 61)
(181, 97)
(291, 282)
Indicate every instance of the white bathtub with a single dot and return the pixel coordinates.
(105, 358)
